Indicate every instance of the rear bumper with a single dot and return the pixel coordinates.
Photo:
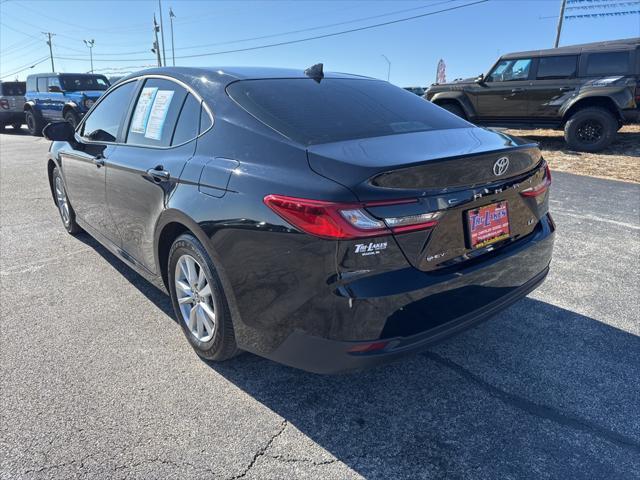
(11, 117)
(437, 307)
(319, 355)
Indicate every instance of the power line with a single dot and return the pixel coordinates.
(27, 67)
(291, 32)
(320, 27)
(300, 40)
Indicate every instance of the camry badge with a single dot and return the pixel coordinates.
(501, 166)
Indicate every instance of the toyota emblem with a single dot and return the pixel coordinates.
(501, 166)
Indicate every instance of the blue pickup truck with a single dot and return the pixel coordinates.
(51, 97)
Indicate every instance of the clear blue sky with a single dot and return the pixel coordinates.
(468, 39)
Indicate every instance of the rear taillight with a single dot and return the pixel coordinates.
(4, 103)
(540, 188)
(333, 220)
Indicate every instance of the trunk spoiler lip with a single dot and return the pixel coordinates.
(528, 146)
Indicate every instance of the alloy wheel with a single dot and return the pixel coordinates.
(195, 298)
(61, 200)
(590, 131)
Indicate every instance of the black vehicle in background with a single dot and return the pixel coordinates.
(589, 90)
(328, 222)
(12, 104)
(417, 90)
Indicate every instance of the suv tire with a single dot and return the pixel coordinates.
(202, 294)
(454, 108)
(590, 129)
(72, 118)
(34, 123)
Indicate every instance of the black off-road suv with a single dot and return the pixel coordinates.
(589, 90)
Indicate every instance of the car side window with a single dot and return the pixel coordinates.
(552, 68)
(104, 121)
(42, 84)
(188, 125)
(54, 82)
(155, 113)
(607, 63)
(510, 70)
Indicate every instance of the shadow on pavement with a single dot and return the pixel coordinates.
(535, 392)
(555, 395)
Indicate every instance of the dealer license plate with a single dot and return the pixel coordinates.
(488, 224)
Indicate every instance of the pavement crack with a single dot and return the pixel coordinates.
(262, 451)
(539, 410)
(285, 459)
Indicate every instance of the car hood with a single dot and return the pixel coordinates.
(460, 81)
(85, 93)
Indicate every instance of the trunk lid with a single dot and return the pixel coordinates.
(430, 162)
(449, 171)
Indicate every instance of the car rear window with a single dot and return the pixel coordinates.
(13, 88)
(336, 109)
(608, 63)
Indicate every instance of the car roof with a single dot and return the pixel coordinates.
(624, 44)
(226, 75)
(56, 74)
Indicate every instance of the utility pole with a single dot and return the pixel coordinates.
(388, 66)
(563, 3)
(49, 35)
(90, 44)
(173, 52)
(156, 47)
(164, 57)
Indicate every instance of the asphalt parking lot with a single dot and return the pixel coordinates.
(97, 380)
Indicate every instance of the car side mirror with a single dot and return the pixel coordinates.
(480, 79)
(59, 132)
(54, 89)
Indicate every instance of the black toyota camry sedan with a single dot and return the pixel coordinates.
(326, 221)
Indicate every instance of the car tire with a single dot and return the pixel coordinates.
(72, 118)
(17, 126)
(198, 299)
(2, 125)
(67, 214)
(454, 108)
(590, 129)
(34, 123)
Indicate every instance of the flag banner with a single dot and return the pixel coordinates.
(602, 14)
(441, 77)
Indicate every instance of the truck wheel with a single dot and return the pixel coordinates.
(590, 129)
(72, 118)
(453, 108)
(34, 123)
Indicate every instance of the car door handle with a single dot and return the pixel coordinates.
(566, 89)
(516, 90)
(159, 174)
